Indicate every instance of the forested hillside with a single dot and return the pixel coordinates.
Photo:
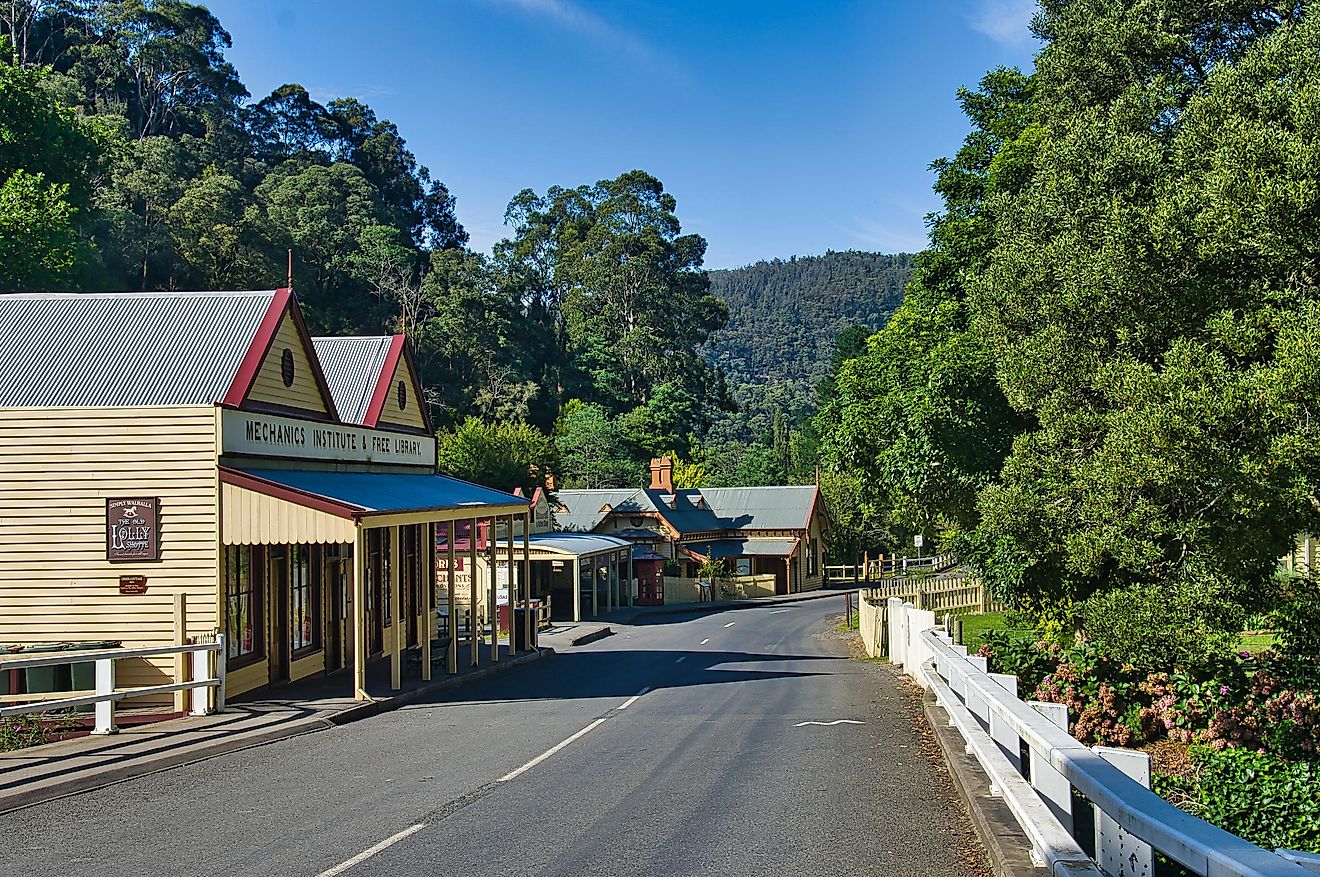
(784, 317)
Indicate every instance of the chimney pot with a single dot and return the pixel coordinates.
(662, 474)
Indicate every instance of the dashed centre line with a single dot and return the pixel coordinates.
(681, 659)
(704, 641)
(731, 624)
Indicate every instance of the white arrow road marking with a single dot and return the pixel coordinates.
(828, 724)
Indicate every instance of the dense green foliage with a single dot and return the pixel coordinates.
(784, 317)
(1268, 801)
(1102, 375)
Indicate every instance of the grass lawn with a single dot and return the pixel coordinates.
(1258, 641)
(975, 627)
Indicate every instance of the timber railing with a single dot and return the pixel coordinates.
(207, 673)
(941, 594)
(1117, 825)
(874, 569)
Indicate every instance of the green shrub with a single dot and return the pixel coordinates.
(1268, 801)
(1162, 628)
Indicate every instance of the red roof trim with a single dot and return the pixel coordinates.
(298, 497)
(256, 352)
(310, 349)
(383, 381)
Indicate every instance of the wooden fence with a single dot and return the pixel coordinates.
(940, 595)
(878, 568)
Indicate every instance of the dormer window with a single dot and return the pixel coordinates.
(670, 500)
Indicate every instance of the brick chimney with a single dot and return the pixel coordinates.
(662, 474)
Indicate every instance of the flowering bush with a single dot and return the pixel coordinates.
(19, 732)
(1242, 701)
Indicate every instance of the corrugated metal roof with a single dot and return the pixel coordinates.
(352, 368)
(388, 492)
(690, 510)
(576, 544)
(743, 547)
(124, 349)
(581, 509)
(762, 508)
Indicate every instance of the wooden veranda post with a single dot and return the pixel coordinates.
(474, 591)
(494, 611)
(527, 577)
(396, 654)
(360, 615)
(427, 586)
(513, 594)
(453, 600)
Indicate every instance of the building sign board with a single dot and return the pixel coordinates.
(270, 435)
(133, 585)
(132, 529)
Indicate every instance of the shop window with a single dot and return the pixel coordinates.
(812, 549)
(378, 572)
(305, 593)
(744, 566)
(243, 630)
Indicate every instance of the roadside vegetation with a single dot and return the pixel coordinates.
(1099, 392)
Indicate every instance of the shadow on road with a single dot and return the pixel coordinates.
(621, 674)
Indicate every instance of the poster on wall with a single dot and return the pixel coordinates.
(132, 529)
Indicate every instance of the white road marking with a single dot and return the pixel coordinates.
(731, 624)
(513, 774)
(371, 851)
(828, 724)
(777, 611)
(632, 700)
(681, 659)
(703, 642)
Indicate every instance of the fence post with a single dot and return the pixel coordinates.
(105, 685)
(1000, 730)
(1116, 851)
(200, 673)
(221, 667)
(1053, 786)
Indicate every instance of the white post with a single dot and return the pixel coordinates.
(1116, 851)
(221, 668)
(1053, 787)
(201, 672)
(897, 632)
(1001, 731)
(105, 686)
(577, 589)
(917, 652)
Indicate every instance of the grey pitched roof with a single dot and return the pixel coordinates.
(352, 368)
(762, 508)
(703, 509)
(717, 548)
(122, 349)
(581, 509)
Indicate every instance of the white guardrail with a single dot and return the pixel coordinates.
(1129, 820)
(208, 672)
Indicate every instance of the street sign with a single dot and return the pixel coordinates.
(917, 540)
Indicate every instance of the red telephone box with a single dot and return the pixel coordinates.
(649, 570)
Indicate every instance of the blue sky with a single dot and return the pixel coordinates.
(782, 128)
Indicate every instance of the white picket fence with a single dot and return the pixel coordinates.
(1130, 821)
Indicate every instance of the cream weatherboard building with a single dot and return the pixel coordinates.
(176, 465)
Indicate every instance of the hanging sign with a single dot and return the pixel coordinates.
(132, 529)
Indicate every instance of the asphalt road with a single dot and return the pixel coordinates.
(669, 749)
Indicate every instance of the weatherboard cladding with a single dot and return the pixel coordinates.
(94, 350)
(352, 368)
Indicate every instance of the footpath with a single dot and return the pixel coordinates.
(55, 770)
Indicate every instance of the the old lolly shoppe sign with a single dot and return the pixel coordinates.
(132, 529)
